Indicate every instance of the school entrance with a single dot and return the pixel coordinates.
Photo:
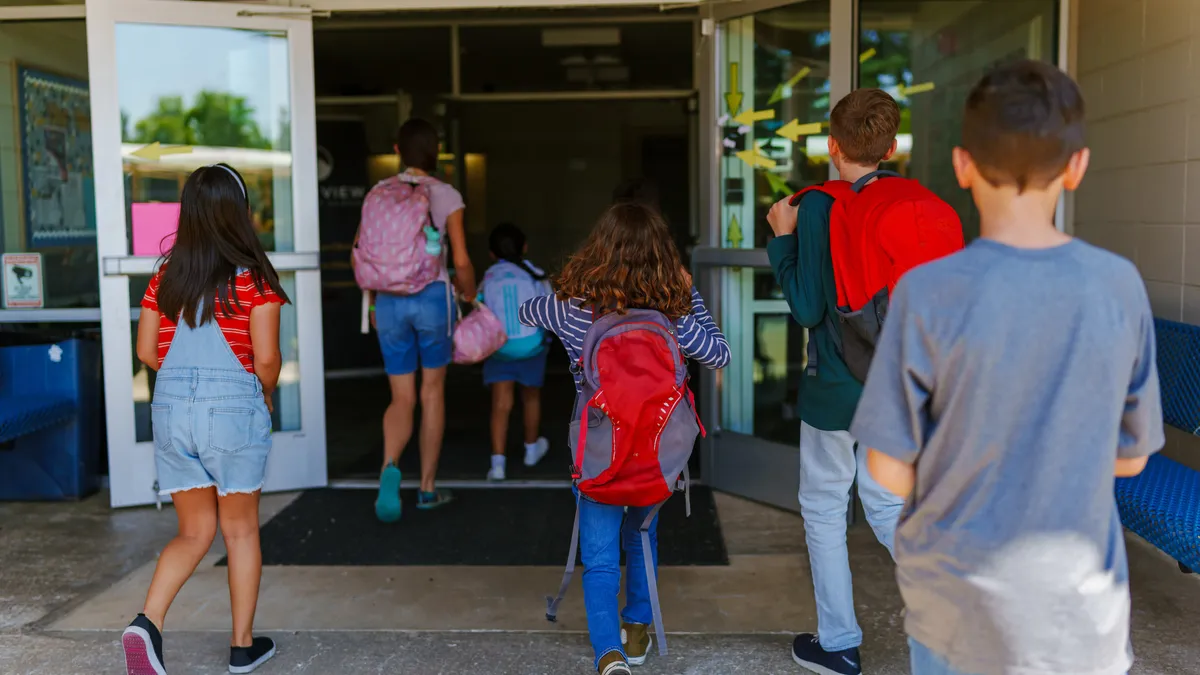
(543, 109)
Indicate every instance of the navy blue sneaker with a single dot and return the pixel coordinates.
(246, 659)
(807, 651)
(143, 648)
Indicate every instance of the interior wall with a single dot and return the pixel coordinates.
(552, 166)
(1141, 197)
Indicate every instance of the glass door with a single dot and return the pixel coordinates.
(175, 86)
(774, 83)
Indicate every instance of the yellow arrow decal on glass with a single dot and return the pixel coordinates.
(793, 130)
(755, 159)
(155, 151)
(867, 55)
(751, 116)
(733, 97)
(916, 89)
(785, 90)
(733, 235)
(778, 185)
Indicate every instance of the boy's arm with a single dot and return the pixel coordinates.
(1142, 421)
(894, 475)
(799, 254)
(893, 415)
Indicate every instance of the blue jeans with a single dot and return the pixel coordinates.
(415, 329)
(828, 465)
(603, 531)
(925, 662)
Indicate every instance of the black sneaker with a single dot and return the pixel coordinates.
(807, 651)
(246, 659)
(143, 648)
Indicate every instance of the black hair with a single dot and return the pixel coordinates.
(1022, 124)
(638, 191)
(507, 242)
(215, 239)
(417, 141)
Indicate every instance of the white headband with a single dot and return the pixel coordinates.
(231, 172)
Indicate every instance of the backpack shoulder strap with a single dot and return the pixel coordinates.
(552, 603)
(880, 173)
(651, 581)
(837, 189)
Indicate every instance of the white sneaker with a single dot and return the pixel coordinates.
(496, 472)
(534, 452)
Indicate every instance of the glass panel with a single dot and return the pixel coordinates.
(585, 57)
(775, 81)
(928, 54)
(348, 63)
(775, 84)
(287, 394)
(195, 96)
(779, 359)
(47, 202)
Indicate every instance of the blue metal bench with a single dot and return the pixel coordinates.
(1162, 505)
(49, 420)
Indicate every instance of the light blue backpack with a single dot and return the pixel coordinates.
(506, 286)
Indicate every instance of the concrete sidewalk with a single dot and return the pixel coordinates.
(71, 576)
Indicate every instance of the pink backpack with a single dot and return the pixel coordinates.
(391, 252)
(478, 336)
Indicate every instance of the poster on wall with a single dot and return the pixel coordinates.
(22, 280)
(56, 159)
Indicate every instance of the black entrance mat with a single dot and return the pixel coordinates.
(482, 527)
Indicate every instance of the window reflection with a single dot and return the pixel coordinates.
(194, 96)
(928, 54)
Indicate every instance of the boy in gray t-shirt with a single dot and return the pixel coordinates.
(1012, 382)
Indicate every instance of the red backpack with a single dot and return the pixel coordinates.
(634, 427)
(878, 232)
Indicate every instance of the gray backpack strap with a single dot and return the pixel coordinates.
(652, 581)
(552, 603)
(686, 480)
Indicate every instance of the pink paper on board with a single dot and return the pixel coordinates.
(154, 227)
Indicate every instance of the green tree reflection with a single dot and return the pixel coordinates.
(213, 119)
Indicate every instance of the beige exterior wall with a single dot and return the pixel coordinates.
(1139, 68)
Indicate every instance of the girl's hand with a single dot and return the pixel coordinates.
(687, 276)
(270, 401)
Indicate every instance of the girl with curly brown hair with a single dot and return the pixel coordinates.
(628, 262)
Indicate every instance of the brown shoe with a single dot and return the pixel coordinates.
(635, 637)
(613, 663)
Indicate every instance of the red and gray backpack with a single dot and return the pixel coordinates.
(877, 232)
(634, 427)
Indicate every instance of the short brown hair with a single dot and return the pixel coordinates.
(1022, 124)
(417, 141)
(864, 124)
(629, 261)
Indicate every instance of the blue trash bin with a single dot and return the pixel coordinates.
(50, 407)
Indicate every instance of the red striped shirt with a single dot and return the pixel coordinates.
(235, 328)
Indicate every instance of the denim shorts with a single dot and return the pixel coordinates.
(530, 372)
(415, 330)
(211, 429)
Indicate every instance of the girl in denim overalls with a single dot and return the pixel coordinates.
(210, 327)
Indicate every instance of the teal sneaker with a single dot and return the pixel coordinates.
(387, 504)
(427, 501)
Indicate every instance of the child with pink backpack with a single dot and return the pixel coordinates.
(629, 317)
(400, 256)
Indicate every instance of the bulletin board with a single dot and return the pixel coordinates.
(58, 187)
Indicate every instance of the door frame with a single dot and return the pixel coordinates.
(299, 459)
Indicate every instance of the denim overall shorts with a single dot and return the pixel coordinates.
(211, 425)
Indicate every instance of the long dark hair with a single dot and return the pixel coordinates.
(629, 261)
(214, 240)
(508, 243)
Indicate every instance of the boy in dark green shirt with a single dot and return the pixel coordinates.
(863, 129)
